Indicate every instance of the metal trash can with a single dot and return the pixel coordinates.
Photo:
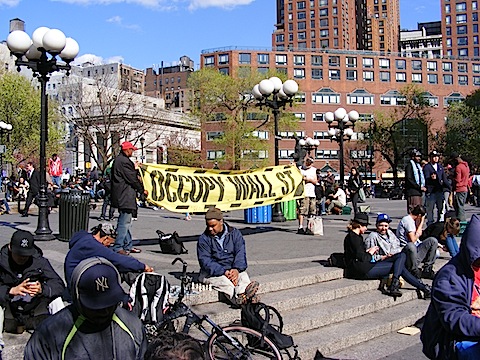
(74, 212)
(289, 209)
(258, 215)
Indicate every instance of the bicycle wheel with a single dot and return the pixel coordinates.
(243, 344)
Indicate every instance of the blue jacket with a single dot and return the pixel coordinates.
(214, 260)
(440, 183)
(449, 317)
(83, 246)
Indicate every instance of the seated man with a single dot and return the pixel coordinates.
(94, 326)
(84, 245)
(417, 251)
(223, 261)
(388, 244)
(452, 323)
(29, 287)
(338, 199)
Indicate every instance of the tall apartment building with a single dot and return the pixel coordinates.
(460, 28)
(170, 83)
(337, 24)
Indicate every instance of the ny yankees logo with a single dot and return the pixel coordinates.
(102, 283)
(24, 243)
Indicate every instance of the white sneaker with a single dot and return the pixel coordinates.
(155, 208)
(134, 219)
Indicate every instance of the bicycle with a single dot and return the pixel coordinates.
(223, 343)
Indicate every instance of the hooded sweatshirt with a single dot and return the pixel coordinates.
(83, 246)
(449, 317)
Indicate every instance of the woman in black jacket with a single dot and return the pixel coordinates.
(360, 262)
(355, 183)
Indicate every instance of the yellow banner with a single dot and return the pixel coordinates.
(183, 189)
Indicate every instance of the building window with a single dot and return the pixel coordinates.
(325, 96)
(324, 33)
(351, 61)
(461, 30)
(263, 59)
(401, 64)
(224, 71)
(317, 74)
(223, 59)
(299, 98)
(212, 135)
(447, 66)
(416, 64)
(360, 97)
(254, 154)
(367, 63)
(321, 135)
(263, 70)
(215, 154)
(352, 75)
(334, 61)
(476, 68)
(281, 59)
(299, 59)
(393, 97)
(299, 73)
(299, 116)
(384, 76)
(401, 77)
(448, 79)
(280, 38)
(432, 78)
(209, 60)
(461, 7)
(327, 154)
(431, 65)
(416, 78)
(462, 67)
(476, 80)
(461, 18)
(453, 98)
(462, 52)
(462, 41)
(462, 80)
(368, 76)
(245, 58)
(384, 63)
(319, 116)
(333, 74)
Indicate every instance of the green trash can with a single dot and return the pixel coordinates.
(74, 212)
(289, 209)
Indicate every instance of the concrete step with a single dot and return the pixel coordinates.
(338, 336)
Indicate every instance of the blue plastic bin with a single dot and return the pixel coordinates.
(258, 215)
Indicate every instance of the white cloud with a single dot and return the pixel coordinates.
(119, 21)
(97, 60)
(225, 4)
(11, 3)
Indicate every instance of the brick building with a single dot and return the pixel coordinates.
(356, 80)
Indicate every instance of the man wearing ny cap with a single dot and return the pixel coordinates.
(94, 326)
(125, 186)
(223, 260)
(436, 181)
(30, 289)
(84, 245)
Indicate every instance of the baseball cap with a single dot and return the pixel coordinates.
(383, 218)
(128, 145)
(214, 214)
(415, 152)
(434, 153)
(99, 287)
(106, 228)
(22, 243)
(361, 218)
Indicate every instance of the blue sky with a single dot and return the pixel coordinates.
(145, 32)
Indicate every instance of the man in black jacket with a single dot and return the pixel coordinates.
(125, 186)
(33, 178)
(414, 181)
(30, 288)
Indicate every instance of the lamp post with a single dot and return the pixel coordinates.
(39, 54)
(142, 143)
(340, 129)
(274, 94)
(309, 144)
(4, 128)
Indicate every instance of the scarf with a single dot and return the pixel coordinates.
(418, 173)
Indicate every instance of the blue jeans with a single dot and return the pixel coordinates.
(452, 245)
(57, 180)
(467, 350)
(432, 200)
(395, 264)
(459, 202)
(124, 236)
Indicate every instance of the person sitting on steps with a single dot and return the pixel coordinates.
(338, 199)
(367, 263)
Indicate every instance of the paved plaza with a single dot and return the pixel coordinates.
(271, 248)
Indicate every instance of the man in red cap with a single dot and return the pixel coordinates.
(125, 187)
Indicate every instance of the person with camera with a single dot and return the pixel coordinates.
(30, 289)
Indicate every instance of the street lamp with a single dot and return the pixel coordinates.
(4, 128)
(142, 142)
(340, 129)
(39, 54)
(309, 144)
(274, 94)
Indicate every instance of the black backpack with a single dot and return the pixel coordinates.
(337, 260)
(259, 317)
(170, 243)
